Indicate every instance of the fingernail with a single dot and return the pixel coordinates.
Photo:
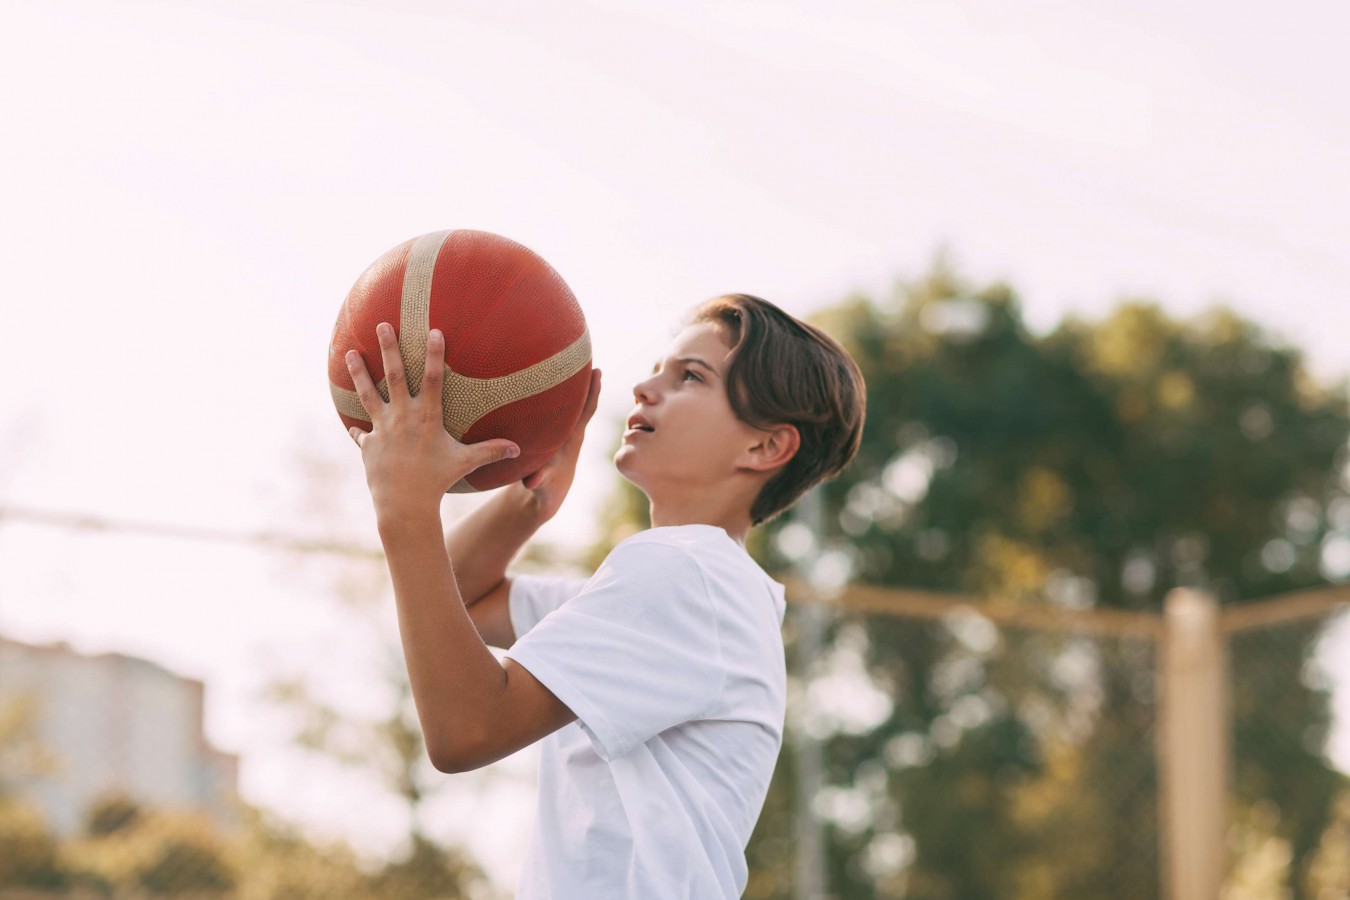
(513, 453)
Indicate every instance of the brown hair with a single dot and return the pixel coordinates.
(782, 370)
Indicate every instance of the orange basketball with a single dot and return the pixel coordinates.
(517, 350)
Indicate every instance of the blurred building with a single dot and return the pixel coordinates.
(112, 723)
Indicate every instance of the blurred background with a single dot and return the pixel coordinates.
(1068, 627)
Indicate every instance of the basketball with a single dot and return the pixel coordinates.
(517, 350)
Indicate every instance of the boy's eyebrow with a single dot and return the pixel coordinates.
(686, 359)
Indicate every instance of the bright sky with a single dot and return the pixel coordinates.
(191, 189)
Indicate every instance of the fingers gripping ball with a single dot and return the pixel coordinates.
(517, 351)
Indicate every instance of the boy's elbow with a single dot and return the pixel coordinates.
(453, 758)
(447, 763)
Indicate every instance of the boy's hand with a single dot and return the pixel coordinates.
(551, 481)
(410, 459)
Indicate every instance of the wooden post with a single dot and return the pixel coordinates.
(1193, 746)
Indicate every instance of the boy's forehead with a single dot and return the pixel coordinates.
(702, 339)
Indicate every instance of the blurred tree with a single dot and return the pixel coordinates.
(28, 849)
(172, 853)
(111, 813)
(186, 866)
(1329, 868)
(1100, 466)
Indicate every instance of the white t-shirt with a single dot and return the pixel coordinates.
(671, 655)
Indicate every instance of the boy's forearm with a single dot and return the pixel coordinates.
(482, 544)
(456, 681)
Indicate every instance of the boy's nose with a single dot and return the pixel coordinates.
(642, 392)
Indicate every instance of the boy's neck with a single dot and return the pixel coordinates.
(736, 527)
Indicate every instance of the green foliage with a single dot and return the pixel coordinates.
(183, 866)
(1104, 463)
(112, 814)
(28, 849)
(161, 853)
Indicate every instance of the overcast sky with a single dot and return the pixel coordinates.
(191, 189)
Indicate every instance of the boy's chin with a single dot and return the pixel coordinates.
(624, 463)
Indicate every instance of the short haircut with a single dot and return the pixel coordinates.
(783, 371)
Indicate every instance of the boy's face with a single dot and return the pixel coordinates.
(697, 442)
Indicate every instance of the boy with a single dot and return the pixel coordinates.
(658, 685)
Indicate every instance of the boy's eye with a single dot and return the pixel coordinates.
(691, 372)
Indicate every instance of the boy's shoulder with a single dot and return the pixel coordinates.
(695, 560)
(707, 549)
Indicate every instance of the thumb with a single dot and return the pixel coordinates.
(492, 451)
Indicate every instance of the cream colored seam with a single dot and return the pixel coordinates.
(468, 399)
(415, 306)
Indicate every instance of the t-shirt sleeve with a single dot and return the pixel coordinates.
(635, 652)
(532, 597)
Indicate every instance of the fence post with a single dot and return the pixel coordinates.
(1193, 746)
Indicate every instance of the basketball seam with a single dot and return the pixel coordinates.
(467, 399)
(415, 306)
(472, 398)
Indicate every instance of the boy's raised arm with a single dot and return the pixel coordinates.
(463, 694)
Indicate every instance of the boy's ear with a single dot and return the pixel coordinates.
(776, 446)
